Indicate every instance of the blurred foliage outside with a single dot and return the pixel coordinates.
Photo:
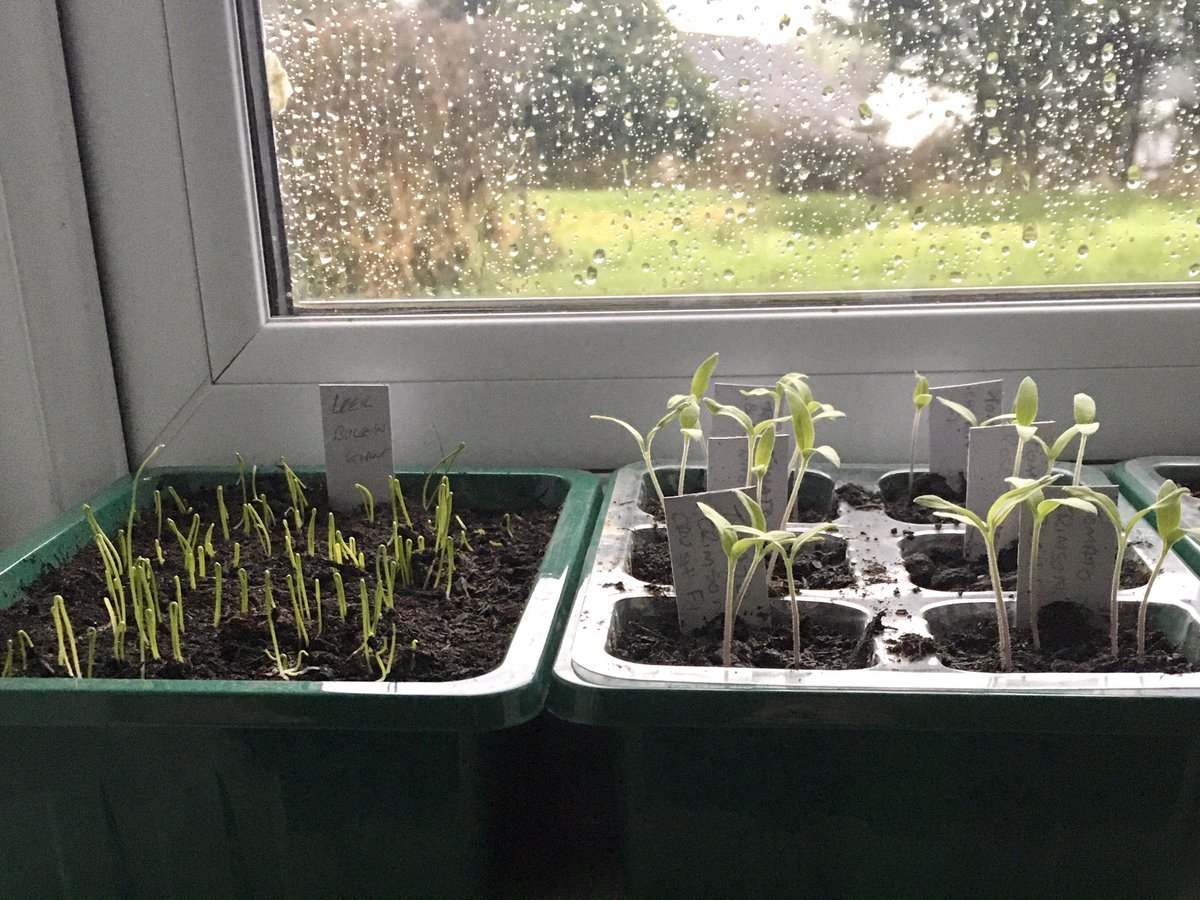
(579, 147)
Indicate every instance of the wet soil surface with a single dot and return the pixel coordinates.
(895, 500)
(823, 567)
(1072, 641)
(912, 646)
(943, 570)
(437, 638)
(654, 637)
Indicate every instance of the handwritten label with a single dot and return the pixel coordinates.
(699, 565)
(1076, 553)
(727, 469)
(949, 432)
(759, 409)
(357, 421)
(992, 450)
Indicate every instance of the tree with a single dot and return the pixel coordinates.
(608, 88)
(1059, 86)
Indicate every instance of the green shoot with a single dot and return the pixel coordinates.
(735, 548)
(330, 544)
(175, 619)
(268, 514)
(1086, 424)
(764, 448)
(385, 668)
(137, 477)
(753, 431)
(178, 592)
(296, 492)
(312, 533)
(151, 616)
(158, 552)
(1123, 529)
(687, 407)
(260, 527)
(217, 595)
(1167, 520)
(399, 508)
(66, 637)
(24, 642)
(244, 583)
(368, 500)
(317, 602)
(997, 513)
(971, 419)
(442, 465)
(789, 548)
(1041, 511)
(8, 661)
(507, 523)
(340, 589)
(254, 481)
(921, 399)
(158, 516)
(644, 444)
(297, 613)
(201, 562)
(368, 626)
(443, 547)
(184, 509)
(237, 554)
(1025, 408)
(222, 512)
(91, 650)
(241, 464)
(1055, 450)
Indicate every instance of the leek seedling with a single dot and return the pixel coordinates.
(8, 661)
(222, 512)
(158, 516)
(1041, 511)
(296, 489)
(921, 399)
(91, 650)
(997, 513)
(24, 642)
(734, 548)
(368, 626)
(175, 619)
(368, 501)
(399, 508)
(386, 667)
(789, 548)
(330, 545)
(687, 407)
(442, 464)
(118, 630)
(137, 477)
(317, 601)
(158, 552)
(260, 527)
(297, 613)
(340, 590)
(62, 627)
(241, 464)
(184, 509)
(644, 444)
(268, 514)
(178, 593)
(244, 582)
(1123, 529)
(1025, 408)
(508, 529)
(201, 563)
(312, 533)
(237, 554)
(216, 595)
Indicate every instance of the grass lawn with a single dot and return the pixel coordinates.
(700, 241)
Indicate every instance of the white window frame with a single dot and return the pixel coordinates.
(163, 101)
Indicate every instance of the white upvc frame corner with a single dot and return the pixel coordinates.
(517, 386)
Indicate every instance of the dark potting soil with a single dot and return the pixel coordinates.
(654, 637)
(1072, 641)
(948, 570)
(898, 503)
(859, 497)
(823, 567)
(436, 638)
(912, 646)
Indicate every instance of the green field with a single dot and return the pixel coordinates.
(610, 242)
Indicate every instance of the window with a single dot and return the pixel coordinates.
(448, 149)
(161, 104)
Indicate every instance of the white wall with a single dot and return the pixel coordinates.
(60, 427)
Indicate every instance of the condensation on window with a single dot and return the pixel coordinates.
(569, 148)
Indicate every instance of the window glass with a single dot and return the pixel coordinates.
(572, 148)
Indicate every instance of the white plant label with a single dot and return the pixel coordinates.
(698, 564)
(992, 450)
(357, 423)
(759, 409)
(1076, 553)
(948, 431)
(727, 469)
